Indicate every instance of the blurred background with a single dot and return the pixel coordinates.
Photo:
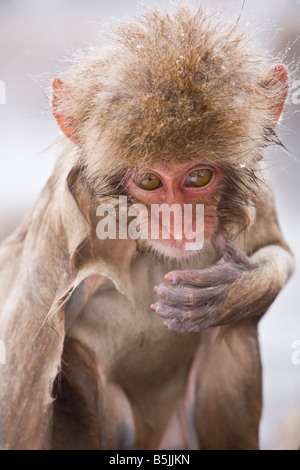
(35, 37)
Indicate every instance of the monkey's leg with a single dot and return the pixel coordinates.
(91, 412)
(228, 389)
(76, 412)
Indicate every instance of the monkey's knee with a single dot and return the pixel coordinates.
(229, 392)
(76, 423)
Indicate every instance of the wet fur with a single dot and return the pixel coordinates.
(188, 86)
(132, 103)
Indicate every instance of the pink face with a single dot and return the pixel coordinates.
(182, 184)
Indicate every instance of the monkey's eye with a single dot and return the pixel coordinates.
(148, 181)
(199, 178)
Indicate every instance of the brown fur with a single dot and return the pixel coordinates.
(131, 103)
(174, 87)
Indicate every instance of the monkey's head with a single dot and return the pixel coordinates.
(177, 110)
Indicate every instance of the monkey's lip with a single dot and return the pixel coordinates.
(177, 249)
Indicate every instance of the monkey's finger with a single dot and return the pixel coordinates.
(174, 325)
(194, 321)
(167, 310)
(208, 277)
(179, 325)
(189, 317)
(187, 295)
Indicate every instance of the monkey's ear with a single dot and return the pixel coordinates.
(280, 86)
(66, 124)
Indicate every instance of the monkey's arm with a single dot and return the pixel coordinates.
(238, 286)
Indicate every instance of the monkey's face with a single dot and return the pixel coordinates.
(180, 201)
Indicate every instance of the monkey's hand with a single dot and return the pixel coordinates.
(236, 287)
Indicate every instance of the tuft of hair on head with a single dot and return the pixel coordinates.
(179, 86)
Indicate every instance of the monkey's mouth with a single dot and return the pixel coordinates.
(172, 249)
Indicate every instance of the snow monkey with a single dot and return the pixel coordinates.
(127, 342)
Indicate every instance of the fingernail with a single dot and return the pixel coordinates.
(155, 289)
(153, 307)
(169, 277)
(165, 324)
